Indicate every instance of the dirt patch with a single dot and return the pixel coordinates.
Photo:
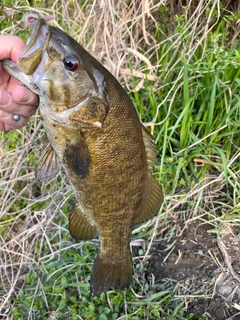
(204, 268)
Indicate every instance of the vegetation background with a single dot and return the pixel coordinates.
(179, 61)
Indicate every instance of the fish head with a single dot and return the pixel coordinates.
(63, 74)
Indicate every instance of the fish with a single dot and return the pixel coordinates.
(96, 136)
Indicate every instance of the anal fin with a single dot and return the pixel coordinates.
(80, 227)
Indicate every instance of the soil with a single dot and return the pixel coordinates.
(204, 268)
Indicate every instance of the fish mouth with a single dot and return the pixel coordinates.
(67, 117)
(35, 46)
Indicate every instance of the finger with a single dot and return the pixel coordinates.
(8, 123)
(21, 110)
(11, 47)
(9, 106)
(21, 95)
(5, 98)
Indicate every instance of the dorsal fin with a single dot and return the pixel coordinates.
(154, 199)
(154, 195)
(150, 149)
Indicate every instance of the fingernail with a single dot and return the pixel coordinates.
(5, 98)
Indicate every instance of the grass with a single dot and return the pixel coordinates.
(180, 66)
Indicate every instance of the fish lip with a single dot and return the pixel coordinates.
(39, 24)
(36, 44)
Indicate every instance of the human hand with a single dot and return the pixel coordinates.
(15, 99)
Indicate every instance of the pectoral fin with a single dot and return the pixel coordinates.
(77, 156)
(80, 227)
(48, 165)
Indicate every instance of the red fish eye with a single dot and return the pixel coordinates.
(71, 63)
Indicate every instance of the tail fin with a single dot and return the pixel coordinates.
(107, 274)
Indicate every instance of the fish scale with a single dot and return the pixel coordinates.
(95, 135)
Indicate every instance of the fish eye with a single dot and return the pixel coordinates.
(71, 63)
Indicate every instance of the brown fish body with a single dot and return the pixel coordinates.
(95, 134)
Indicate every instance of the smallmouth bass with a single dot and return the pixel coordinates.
(95, 135)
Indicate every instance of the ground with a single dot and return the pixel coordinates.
(205, 268)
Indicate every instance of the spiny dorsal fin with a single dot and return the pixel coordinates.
(48, 165)
(80, 227)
